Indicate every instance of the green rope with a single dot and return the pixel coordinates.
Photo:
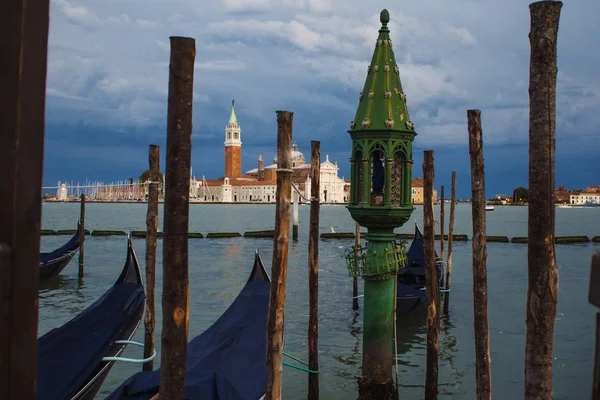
(294, 358)
(300, 368)
(297, 367)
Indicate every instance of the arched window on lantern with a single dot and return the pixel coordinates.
(396, 184)
(359, 176)
(377, 177)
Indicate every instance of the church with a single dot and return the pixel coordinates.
(259, 184)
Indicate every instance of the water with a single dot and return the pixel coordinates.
(220, 267)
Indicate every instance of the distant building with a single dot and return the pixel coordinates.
(587, 196)
(259, 185)
(61, 193)
(417, 192)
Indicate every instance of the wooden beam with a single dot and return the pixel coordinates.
(24, 49)
(450, 233)
(175, 298)
(483, 374)
(81, 235)
(542, 290)
(280, 255)
(433, 294)
(151, 234)
(594, 293)
(313, 270)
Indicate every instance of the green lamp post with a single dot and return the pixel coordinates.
(380, 200)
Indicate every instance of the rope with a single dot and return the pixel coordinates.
(300, 368)
(302, 196)
(287, 170)
(297, 367)
(294, 358)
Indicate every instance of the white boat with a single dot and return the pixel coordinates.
(489, 208)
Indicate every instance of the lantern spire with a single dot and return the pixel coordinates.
(382, 103)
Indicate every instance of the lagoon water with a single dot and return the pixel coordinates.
(219, 268)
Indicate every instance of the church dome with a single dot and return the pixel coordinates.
(297, 157)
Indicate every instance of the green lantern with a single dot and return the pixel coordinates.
(380, 200)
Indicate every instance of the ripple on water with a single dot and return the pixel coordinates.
(219, 269)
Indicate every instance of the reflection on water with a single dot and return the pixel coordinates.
(355, 331)
(65, 296)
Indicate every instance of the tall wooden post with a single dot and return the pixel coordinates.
(24, 48)
(152, 229)
(483, 374)
(355, 278)
(433, 313)
(442, 223)
(295, 214)
(313, 270)
(450, 233)
(175, 298)
(542, 291)
(594, 299)
(81, 234)
(280, 255)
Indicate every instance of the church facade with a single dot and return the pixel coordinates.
(259, 185)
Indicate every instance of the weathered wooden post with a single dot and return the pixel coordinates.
(433, 294)
(152, 228)
(280, 255)
(295, 214)
(542, 291)
(382, 136)
(313, 270)
(483, 373)
(24, 49)
(81, 234)
(594, 299)
(442, 223)
(175, 298)
(450, 233)
(355, 277)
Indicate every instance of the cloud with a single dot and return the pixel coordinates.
(108, 67)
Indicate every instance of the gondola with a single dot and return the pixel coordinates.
(228, 360)
(411, 279)
(52, 263)
(75, 358)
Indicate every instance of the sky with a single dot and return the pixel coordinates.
(107, 83)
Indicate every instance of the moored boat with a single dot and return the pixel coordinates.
(53, 263)
(75, 358)
(411, 279)
(228, 360)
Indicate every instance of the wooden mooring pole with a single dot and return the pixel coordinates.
(433, 312)
(81, 234)
(280, 256)
(175, 297)
(450, 233)
(542, 290)
(483, 374)
(152, 229)
(594, 299)
(442, 223)
(295, 215)
(355, 277)
(24, 49)
(313, 270)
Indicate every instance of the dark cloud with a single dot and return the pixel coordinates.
(108, 78)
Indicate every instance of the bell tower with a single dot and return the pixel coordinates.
(233, 146)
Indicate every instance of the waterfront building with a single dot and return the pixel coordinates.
(590, 195)
(259, 185)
